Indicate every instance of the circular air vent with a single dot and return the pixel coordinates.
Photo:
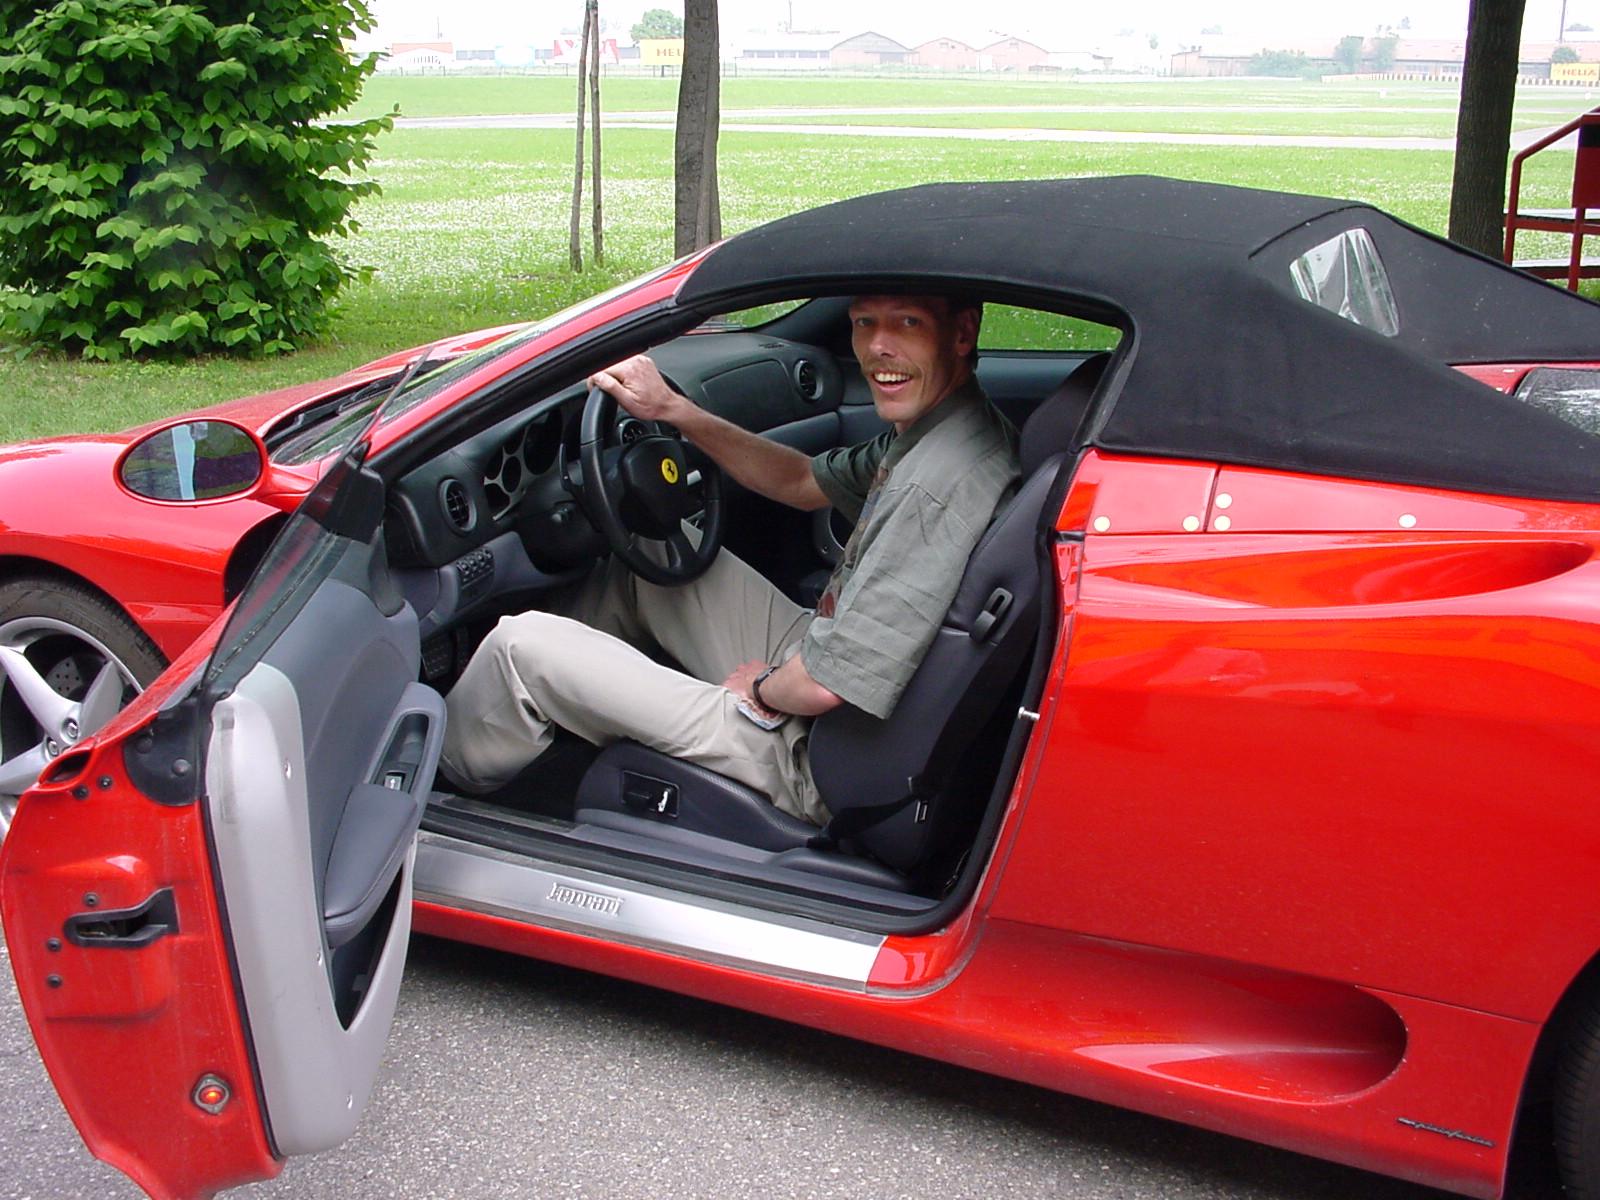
(457, 505)
(807, 380)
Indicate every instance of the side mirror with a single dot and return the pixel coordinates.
(197, 460)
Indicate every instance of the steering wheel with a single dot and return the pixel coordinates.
(639, 495)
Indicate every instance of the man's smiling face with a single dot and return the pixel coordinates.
(914, 351)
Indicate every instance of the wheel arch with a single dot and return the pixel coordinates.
(248, 552)
(24, 566)
(1533, 1134)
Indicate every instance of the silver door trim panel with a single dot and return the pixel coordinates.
(481, 879)
(316, 1072)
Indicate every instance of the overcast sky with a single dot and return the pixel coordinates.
(1066, 24)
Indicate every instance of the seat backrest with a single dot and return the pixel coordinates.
(895, 775)
(1053, 426)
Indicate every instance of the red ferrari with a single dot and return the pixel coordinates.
(1244, 783)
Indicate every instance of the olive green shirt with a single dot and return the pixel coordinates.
(920, 500)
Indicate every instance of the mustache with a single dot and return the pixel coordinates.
(869, 367)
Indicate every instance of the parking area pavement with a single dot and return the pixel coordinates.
(508, 1077)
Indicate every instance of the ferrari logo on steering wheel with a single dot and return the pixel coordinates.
(669, 470)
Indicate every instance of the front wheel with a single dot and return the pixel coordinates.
(1577, 1107)
(69, 661)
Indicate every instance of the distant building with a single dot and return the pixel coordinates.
(868, 50)
(1218, 56)
(443, 49)
(1435, 58)
(944, 54)
(517, 54)
(565, 51)
(1534, 61)
(416, 58)
(1428, 56)
(787, 52)
(1076, 60)
(1012, 54)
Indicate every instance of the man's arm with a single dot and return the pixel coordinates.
(789, 689)
(776, 472)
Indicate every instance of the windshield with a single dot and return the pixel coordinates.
(331, 427)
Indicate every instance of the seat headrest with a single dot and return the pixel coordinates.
(1051, 427)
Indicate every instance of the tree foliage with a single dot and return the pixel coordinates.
(657, 23)
(167, 183)
(1383, 49)
(1348, 53)
(1563, 54)
(1289, 64)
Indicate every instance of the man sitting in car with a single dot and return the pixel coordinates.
(756, 666)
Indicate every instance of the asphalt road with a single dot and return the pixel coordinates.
(512, 1078)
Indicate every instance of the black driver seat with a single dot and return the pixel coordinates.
(894, 785)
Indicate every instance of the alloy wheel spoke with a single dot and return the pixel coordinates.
(19, 774)
(50, 709)
(102, 700)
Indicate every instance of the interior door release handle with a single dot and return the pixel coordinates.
(126, 928)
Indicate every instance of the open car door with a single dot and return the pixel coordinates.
(207, 908)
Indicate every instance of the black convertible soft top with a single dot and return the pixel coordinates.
(1221, 358)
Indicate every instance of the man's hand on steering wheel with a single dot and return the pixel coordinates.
(637, 385)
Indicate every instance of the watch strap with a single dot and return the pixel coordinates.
(755, 688)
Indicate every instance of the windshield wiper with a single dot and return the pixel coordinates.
(288, 434)
(336, 424)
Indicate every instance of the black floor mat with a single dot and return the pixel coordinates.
(549, 786)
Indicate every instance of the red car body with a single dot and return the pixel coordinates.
(1300, 846)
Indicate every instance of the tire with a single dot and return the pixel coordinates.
(67, 634)
(1577, 1106)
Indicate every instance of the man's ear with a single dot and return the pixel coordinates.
(967, 321)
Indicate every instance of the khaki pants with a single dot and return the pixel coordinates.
(574, 669)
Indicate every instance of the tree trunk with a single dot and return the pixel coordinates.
(594, 116)
(697, 207)
(575, 227)
(1483, 130)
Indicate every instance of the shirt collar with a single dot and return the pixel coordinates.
(964, 399)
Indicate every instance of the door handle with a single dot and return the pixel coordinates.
(126, 928)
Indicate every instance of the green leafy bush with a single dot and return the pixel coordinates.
(167, 183)
(1290, 64)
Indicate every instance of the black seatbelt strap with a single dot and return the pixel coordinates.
(853, 822)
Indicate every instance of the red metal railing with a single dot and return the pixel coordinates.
(1575, 221)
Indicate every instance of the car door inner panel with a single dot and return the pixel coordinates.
(319, 767)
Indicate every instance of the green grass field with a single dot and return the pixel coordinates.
(441, 95)
(470, 229)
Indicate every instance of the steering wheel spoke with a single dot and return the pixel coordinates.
(680, 551)
(638, 495)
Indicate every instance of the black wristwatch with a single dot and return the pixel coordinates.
(755, 689)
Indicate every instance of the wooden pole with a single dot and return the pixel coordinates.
(697, 212)
(1483, 128)
(594, 115)
(575, 226)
